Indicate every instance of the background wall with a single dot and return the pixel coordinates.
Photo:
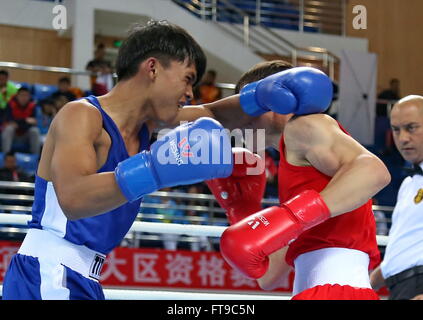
(34, 46)
(393, 31)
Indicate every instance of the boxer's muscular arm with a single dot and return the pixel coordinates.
(357, 175)
(227, 111)
(81, 191)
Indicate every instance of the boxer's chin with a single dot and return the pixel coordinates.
(168, 115)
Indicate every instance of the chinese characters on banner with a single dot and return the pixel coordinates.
(141, 267)
(131, 267)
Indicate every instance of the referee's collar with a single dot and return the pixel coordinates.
(416, 169)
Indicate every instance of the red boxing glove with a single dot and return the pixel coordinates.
(247, 244)
(241, 193)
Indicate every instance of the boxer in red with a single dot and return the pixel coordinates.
(324, 226)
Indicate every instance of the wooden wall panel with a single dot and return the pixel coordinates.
(34, 46)
(394, 28)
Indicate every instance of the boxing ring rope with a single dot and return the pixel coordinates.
(157, 227)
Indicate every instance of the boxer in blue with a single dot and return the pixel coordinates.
(97, 164)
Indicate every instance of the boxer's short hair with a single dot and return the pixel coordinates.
(162, 40)
(260, 71)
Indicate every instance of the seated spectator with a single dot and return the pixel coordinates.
(170, 241)
(103, 82)
(45, 114)
(7, 91)
(382, 126)
(59, 102)
(64, 89)
(271, 176)
(99, 58)
(77, 92)
(203, 243)
(209, 92)
(381, 221)
(388, 95)
(11, 172)
(196, 99)
(20, 122)
(102, 74)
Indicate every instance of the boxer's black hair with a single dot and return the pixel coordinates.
(162, 40)
(260, 71)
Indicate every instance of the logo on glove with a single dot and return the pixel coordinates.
(184, 146)
(254, 223)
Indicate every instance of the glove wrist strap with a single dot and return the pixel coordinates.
(135, 176)
(247, 99)
(308, 208)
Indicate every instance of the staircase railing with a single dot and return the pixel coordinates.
(250, 21)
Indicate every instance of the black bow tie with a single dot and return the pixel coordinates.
(416, 169)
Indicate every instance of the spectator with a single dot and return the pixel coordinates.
(11, 172)
(59, 102)
(104, 80)
(196, 100)
(271, 176)
(402, 266)
(381, 221)
(387, 96)
(382, 127)
(45, 114)
(208, 90)
(7, 91)
(102, 71)
(99, 57)
(21, 122)
(170, 241)
(166, 207)
(203, 243)
(64, 89)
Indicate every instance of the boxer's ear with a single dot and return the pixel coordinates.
(149, 66)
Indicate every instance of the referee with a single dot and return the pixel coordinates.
(402, 267)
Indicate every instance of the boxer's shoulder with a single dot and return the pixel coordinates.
(78, 117)
(301, 132)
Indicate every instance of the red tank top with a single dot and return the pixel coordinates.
(353, 230)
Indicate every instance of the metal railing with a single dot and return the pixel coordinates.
(323, 16)
(251, 22)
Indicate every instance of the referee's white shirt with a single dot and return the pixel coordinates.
(405, 244)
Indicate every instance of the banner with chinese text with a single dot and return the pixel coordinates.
(141, 267)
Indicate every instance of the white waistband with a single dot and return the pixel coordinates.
(43, 244)
(331, 266)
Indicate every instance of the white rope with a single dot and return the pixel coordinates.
(121, 294)
(118, 294)
(156, 227)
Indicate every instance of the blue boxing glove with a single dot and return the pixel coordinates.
(301, 90)
(191, 153)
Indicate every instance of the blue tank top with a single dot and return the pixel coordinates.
(101, 233)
